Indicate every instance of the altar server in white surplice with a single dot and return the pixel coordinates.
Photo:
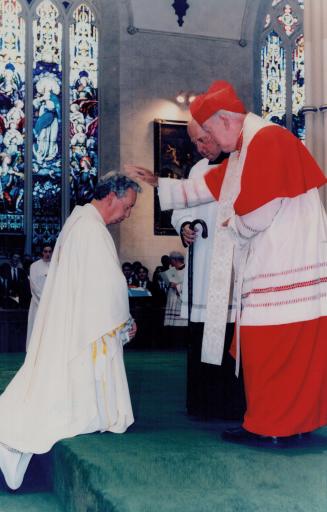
(73, 380)
(38, 274)
(212, 391)
(202, 248)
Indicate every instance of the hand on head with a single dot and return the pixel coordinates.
(136, 173)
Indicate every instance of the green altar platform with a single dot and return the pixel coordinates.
(168, 462)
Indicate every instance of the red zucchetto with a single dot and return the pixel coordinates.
(220, 96)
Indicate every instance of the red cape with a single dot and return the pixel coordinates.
(277, 165)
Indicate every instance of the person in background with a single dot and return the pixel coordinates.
(15, 282)
(2, 293)
(38, 274)
(127, 269)
(212, 391)
(141, 279)
(159, 284)
(135, 266)
(27, 262)
(174, 278)
(159, 299)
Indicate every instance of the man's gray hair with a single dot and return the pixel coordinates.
(115, 182)
(176, 255)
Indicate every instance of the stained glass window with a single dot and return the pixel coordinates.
(273, 80)
(47, 120)
(287, 20)
(83, 105)
(267, 21)
(282, 64)
(12, 117)
(298, 88)
(38, 187)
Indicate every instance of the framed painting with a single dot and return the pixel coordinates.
(174, 155)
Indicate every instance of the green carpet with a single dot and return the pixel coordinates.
(29, 502)
(35, 494)
(9, 364)
(167, 462)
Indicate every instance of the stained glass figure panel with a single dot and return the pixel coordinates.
(282, 65)
(267, 21)
(298, 120)
(273, 79)
(83, 105)
(12, 117)
(47, 121)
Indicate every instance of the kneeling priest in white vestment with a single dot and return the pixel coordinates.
(73, 380)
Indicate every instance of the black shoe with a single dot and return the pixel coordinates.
(240, 435)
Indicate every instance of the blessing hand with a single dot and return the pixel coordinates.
(135, 172)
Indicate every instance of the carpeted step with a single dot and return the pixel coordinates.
(29, 502)
(35, 494)
(168, 462)
(9, 364)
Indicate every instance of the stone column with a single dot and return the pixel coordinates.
(315, 40)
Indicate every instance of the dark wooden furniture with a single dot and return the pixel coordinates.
(13, 327)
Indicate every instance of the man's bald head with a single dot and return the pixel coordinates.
(204, 142)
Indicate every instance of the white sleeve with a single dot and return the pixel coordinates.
(178, 194)
(35, 283)
(247, 226)
(180, 216)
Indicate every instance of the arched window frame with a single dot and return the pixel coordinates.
(66, 10)
(288, 43)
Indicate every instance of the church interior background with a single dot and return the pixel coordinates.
(83, 83)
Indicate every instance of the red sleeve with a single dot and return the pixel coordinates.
(215, 177)
(277, 165)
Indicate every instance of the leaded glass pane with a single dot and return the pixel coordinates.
(83, 105)
(273, 79)
(298, 88)
(267, 21)
(12, 118)
(287, 20)
(47, 120)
